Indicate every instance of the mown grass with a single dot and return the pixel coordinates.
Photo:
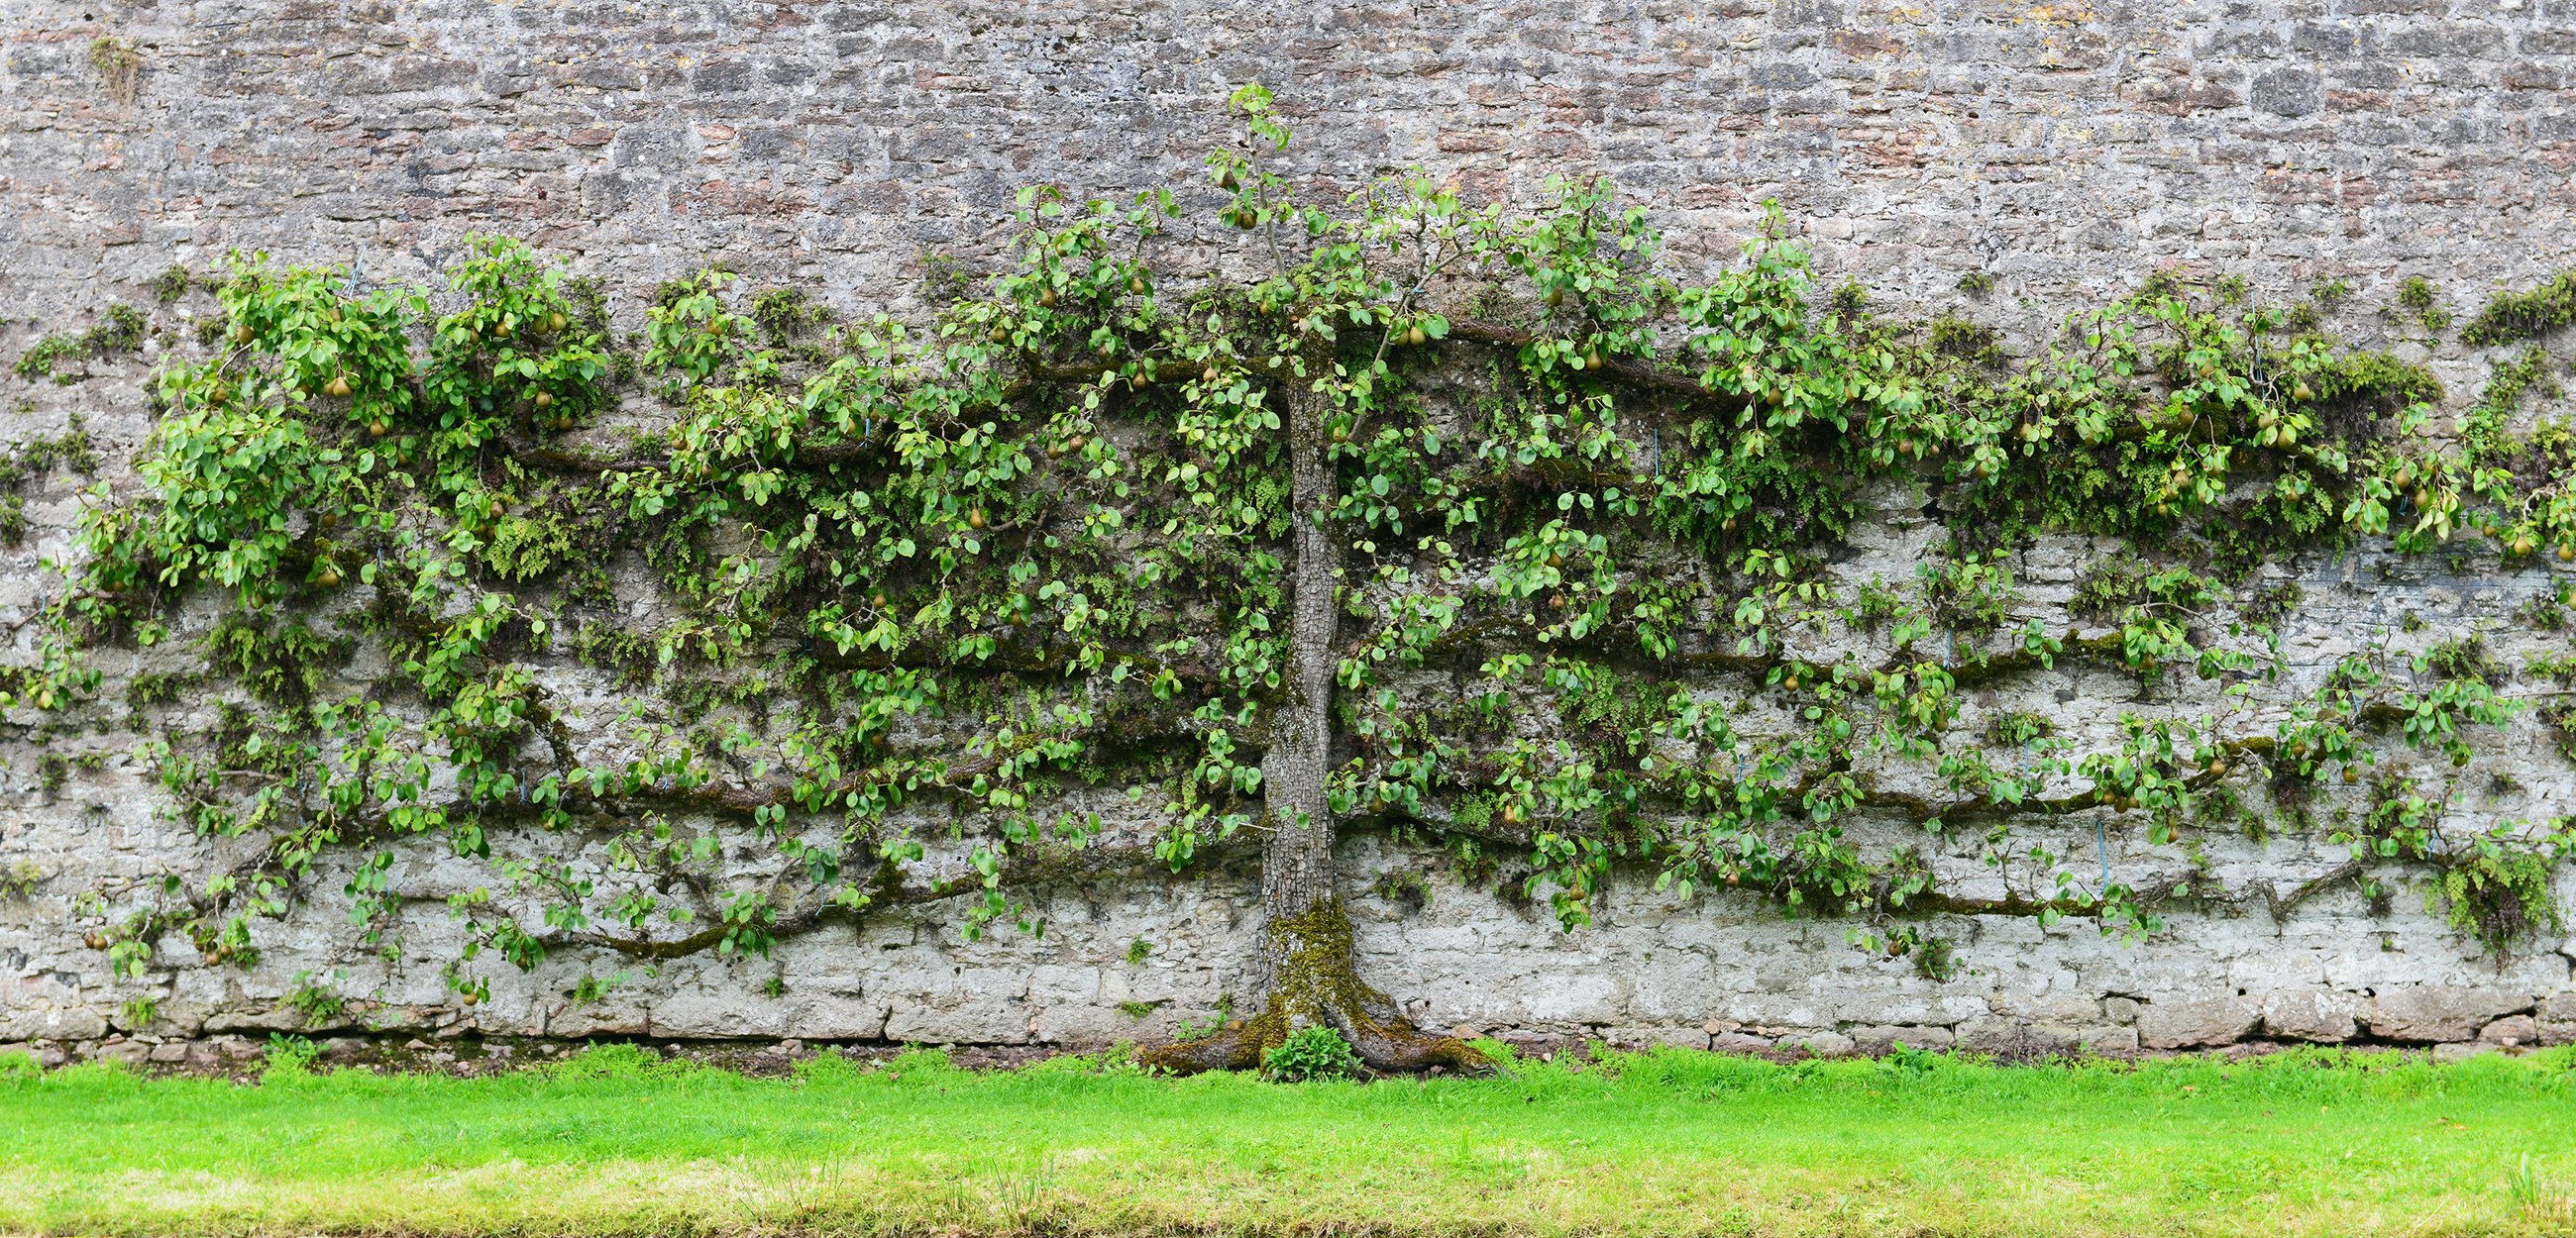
(616, 1143)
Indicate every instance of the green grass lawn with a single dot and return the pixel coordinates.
(615, 1143)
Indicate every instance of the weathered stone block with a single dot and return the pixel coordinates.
(2196, 1022)
(1636, 1039)
(2322, 1015)
(2012, 1040)
(2438, 1012)
(2557, 1019)
(1881, 1041)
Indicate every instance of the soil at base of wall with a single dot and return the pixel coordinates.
(240, 1057)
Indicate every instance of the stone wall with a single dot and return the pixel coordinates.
(2066, 150)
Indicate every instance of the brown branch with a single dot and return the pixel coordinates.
(1032, 372)
(1030, 868)
(818, 455)
(1634, 372)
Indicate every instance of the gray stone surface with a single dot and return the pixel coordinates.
(2557, 1018)
(1877, 1041)
(2196, 1022)
(2312, 1014)
(2440, 1012)
(2066, 150)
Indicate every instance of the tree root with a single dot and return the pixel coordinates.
(1389, 1044)
(1386, 1043)
(1237, 1047)
(1313, 981)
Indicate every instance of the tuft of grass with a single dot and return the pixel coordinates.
(2419, 301)
(119, 67)
(2545, 1201)
(2513, 316)
(620, 1142)
(121, 332)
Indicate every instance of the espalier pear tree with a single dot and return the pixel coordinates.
(1465, 522)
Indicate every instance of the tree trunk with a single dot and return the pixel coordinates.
(1305, 974)
(1297, 858)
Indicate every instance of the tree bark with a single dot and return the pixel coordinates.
(1297, 857)
(1305, 973)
